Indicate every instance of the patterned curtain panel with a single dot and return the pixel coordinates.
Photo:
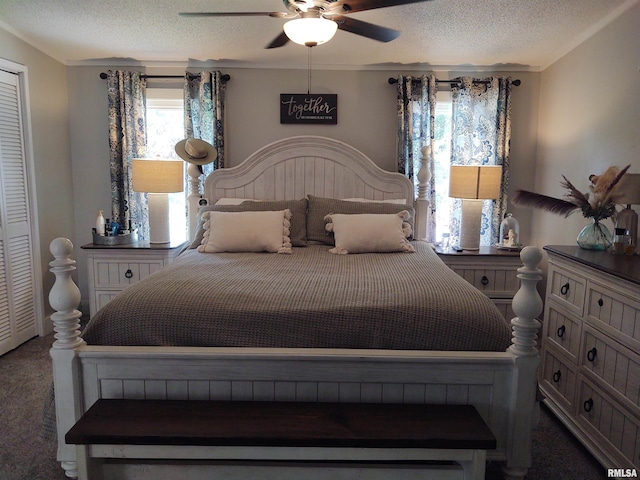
(127, 139)
(416, 118)
(204, 112)
(481, 136)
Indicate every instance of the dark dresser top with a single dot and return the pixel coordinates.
(626, 267)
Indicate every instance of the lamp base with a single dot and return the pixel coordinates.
(470, 219)
(159, 229)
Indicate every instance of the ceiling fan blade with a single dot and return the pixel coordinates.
(365, 29)
(238, 14)
(349, 6)
(280, 41)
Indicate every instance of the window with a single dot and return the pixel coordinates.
(165, 128)
(442, 161)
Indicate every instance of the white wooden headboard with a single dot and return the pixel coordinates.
(291, 168)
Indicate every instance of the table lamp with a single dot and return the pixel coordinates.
(158, 178)
(628, 191)
(472, 184)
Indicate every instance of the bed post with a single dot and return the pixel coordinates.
(195, 195)
(422, 202)
(527, 305)
(64, 297)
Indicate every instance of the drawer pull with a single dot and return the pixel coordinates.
(484, 280)
(561, 330)
(556, 376)
(591, 354)
(588, 405)
(564, 289)
(128, 273)
(600, 302)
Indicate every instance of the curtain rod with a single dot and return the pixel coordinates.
(516, 82)
(225, 77)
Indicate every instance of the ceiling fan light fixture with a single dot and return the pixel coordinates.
(310, 31)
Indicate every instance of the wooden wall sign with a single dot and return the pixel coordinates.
(309, 108)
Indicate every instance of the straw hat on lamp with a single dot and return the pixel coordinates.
(196, 151)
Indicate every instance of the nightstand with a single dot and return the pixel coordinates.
(112, 269)
(492, 271)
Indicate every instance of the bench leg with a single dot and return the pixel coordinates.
(88, 468)
(474, 469)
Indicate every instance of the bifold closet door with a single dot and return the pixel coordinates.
(18, 294)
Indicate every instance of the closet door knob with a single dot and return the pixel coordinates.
(588, 405)
(591, 354)
(556, 376)
(564, 289)
(128, 273)
(561, 330)
(600, 302)
(484, 280)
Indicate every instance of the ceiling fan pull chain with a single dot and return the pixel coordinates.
(309, 72)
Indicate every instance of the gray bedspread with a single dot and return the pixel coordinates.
(310, 298)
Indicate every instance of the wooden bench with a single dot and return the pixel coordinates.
(283, 431)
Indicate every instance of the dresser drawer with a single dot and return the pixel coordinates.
(119, 273)
(559, 379)
(615, 429)
(618, 366)
(563, 330)
(567, 288)
(493, 282)
(615, 313)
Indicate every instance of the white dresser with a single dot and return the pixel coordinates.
(590, 369)
(111, 269)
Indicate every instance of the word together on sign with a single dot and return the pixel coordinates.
(309, 108)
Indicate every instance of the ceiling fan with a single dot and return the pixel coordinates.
(313, 22)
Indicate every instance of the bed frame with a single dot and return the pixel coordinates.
(501, 385)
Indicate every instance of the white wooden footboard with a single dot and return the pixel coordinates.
(500, 385)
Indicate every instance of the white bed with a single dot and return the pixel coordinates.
(501, 385)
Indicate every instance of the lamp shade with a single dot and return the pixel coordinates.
(475, 182)
(310, 31)
(157, 176)
(628, 189)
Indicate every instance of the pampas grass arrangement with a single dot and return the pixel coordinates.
(599, 203)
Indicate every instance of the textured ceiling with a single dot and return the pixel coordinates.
(527, 34)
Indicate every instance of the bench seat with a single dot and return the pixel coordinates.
(284, 431)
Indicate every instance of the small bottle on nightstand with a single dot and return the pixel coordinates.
(100, 223)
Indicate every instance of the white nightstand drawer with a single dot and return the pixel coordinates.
(102, 297)
(112, 269)
(123, 273)
(493, 282)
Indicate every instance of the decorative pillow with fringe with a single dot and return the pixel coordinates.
(260, 231)
(370, 233)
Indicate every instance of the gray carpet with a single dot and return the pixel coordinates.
(25, 378)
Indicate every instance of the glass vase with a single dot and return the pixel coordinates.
(595, 236)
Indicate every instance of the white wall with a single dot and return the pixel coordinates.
(50, 129)
(589, 119)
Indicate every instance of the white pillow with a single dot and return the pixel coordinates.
(261, 231)
(398, 201)
(370, 233)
